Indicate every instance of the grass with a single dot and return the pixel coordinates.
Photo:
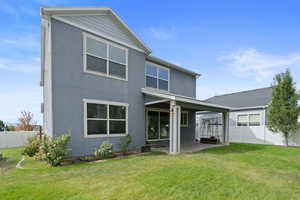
(238, 171)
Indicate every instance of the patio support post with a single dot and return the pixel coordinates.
(225, 116)
(174, 129)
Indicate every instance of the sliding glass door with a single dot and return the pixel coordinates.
(158, 125)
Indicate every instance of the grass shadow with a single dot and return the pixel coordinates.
(234, 148)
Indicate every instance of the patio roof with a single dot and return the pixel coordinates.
(185, 101)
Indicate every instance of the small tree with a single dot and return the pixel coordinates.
(26, 122)
(283, 110)
(2, 125)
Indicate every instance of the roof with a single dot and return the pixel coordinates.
(171, 65)
(184, 99)
(245, 99)
(89, 10)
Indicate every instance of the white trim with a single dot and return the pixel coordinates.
(187, 118)
(249, 108)
(170, 96)
(155, 102)
(108, 44)
(248, 121)
(157, 76)
(97, 33)
(107, 103)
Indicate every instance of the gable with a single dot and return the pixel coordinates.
(105, 26)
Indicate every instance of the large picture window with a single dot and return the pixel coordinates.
(156, 76)
(104, 58)
(105, 118)
(248, 119)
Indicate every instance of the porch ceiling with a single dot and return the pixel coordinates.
(186, 102)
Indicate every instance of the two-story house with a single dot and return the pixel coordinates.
(100, 82)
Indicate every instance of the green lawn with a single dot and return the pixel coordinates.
(238, 171)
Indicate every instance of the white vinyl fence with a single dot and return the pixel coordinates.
(15, 138)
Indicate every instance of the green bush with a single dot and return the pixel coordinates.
(33, 146)
(105, 150)
(124, 144)
(54, 150)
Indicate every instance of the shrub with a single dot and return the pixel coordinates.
(124, 144)
(54, 150)
(105, 150)
(1, 156)
(33, 146)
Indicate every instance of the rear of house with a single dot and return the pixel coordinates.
(247, 119)
(100, 82)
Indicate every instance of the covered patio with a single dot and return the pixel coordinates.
(174, 137)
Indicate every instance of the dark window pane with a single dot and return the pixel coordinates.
(97, 127)
(117, 127)
(96, 111)
(96, 48)
(184, 119)
(153, 129)
(96, 64)
(163, 74)
(151, 70)
(151, 82)
(117, 112)
(117, 54)
(242, 124)
(164, 125)
(116, 69)
(254, 123)
(163, 85)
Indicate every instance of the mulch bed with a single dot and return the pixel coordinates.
(81, 159)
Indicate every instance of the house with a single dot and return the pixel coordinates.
(100, 82)
(247, 118)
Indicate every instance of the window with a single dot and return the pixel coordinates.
(248, 120)
(157, 77)
(104, 58)
(105, 118)
(184, 119)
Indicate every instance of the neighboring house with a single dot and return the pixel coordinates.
(100, 82)
(248, 118)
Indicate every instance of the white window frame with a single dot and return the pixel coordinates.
(157, 76)
(108, 44)
(187, 119)
(161, 110)
(107, 103)
(248, 115)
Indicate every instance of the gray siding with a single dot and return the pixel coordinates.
(104, 24)
(71, 85)
(182, 83)
(188, 133)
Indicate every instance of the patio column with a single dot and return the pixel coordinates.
(225, 116)
(175, 116)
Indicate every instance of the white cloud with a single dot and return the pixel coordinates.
(161, 33)
(257, 64)
(25, 41)
(20, 65)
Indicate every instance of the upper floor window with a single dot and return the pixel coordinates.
(157, 76)
(248, 119)
(104, 58)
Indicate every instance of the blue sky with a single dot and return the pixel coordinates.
(235, 45)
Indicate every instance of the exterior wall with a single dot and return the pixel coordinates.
(255, 134)
(15, 138)
(104, 24)
(71, 85)
(182, 83)
(188, 133)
